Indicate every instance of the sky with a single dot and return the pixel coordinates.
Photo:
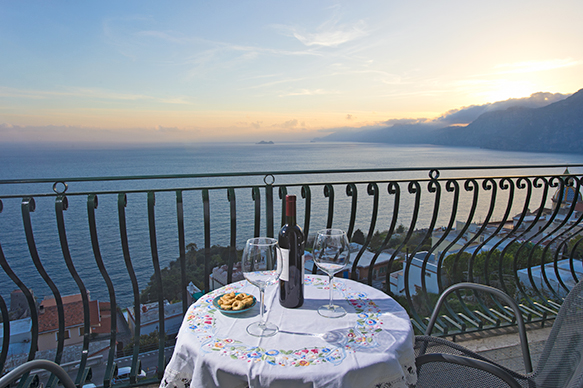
(195, 71)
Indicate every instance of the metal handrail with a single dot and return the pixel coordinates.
(406, 228)
(290, 172)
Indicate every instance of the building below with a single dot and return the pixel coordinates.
(20, 336)
(218, 277)
(565, 273)
(150, 319)
(48, 321)
(411, 274)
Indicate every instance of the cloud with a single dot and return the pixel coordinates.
(72, 92)
(78, 134)
(349, 117)
(287, 80)
(222, 55)
(162, 129)
(139, 39)
(328, 34)
(462, 116)
(257, 124)
(534, 66)
(169, 36)
(87, 93)
(120, 33)
(392, 122)
(349, 130)
(105, 94)
(468, 114)
(307, 92)
(217, 46)
(175, 100)
(289, 126)
(290, 123)
(331, 38)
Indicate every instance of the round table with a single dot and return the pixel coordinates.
(372, 346)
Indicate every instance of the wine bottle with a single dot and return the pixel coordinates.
(291, 242)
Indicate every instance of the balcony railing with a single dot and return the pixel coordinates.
(137, 242)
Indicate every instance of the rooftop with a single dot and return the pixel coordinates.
(48, 319)
(149, 313)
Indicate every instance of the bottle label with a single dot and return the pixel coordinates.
(284, 265)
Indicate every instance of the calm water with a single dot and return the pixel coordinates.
(31, 162)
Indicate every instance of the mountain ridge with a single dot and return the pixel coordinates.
(556, 127)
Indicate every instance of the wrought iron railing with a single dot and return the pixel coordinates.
(129, 240)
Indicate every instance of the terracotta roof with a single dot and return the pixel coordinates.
(49, 301)
(49, 320)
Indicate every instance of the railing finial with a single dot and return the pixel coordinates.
(56, 190)
(272, 179)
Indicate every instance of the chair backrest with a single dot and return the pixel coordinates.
(564, 348)
(577, 379)
(27, 367)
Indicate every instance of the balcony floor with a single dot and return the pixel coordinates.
(503, 345)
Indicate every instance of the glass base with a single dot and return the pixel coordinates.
(331, 311)
(259, 329)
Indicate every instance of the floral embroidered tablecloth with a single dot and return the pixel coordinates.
(372, 346)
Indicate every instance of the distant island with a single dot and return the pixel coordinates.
(544, 122)
(265, 142)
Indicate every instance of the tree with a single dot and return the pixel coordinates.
(147, 342)
(575, 248)
(171, 276)
(376, 240)
(358, 237)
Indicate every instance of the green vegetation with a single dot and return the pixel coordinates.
(575, 248)
(498, 269)
(171, 278)
(171, 275)
(492, 265)
(358, 237)
(416, 242)
(147, 342)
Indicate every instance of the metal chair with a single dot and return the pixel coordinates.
(25, 368)
(441, 363)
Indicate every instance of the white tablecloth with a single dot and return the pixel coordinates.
(372, 346)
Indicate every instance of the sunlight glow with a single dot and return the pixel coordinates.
(509, 89)
(535, 66)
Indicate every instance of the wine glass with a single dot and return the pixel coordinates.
(261, 267)
(331, 254)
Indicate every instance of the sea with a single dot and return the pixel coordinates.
(58, 162)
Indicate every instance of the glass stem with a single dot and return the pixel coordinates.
(262, 301)
(330, 287)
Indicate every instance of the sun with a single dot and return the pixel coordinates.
(507, 90)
